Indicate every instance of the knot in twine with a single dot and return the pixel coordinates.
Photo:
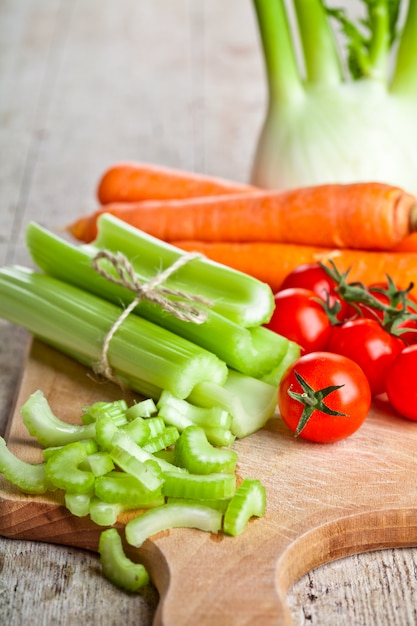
(181, 306)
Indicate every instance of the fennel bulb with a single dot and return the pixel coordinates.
(326, 126)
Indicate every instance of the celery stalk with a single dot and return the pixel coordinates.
(253, 351)
(144, 356)
(234, 295)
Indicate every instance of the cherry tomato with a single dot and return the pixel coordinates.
(401, 384)
(334, 399)
(369, 345)
(299, 317)
(313, 277)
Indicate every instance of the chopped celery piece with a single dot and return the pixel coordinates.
(166, 455)
(105, 431)
(148, 472)
(249, 500)
(162, 440)
(215, 420)
(46, 427)
(115, 409)
(62, 467)
(125, 489)
(104, 513)
(49, 451)
(100, 463)
(194, 452)
(145, 408)
(28, 477)
(78, 503)
(219, 436)
(250, 402)
(116, 566)
(142, 355)
(199, 486)
(168, 405)
(219, 505)
(234, 295)
(138, 429)
(124, 441)
(178, 515)
(156, 425)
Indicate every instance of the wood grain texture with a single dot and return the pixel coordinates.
(178, 82)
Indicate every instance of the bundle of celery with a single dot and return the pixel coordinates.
(336, 117)
(239, 304)
(217, 363)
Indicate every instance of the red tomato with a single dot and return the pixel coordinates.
(299, 317)
(346, 403)
(369, 345)
(313, 277)
(401, 384)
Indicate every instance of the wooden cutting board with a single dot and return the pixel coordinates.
(323, 502)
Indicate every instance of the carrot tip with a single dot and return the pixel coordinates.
(82, 230)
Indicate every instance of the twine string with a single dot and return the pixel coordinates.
(182, 306)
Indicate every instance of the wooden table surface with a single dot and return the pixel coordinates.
(177, 82)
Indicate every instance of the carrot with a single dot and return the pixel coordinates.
(132, 182)
(409, 244)
(271, 262)
(361, 215)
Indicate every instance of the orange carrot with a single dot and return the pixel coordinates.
(132, 182)
(361, 215)
(271, 262)
(409, 244)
